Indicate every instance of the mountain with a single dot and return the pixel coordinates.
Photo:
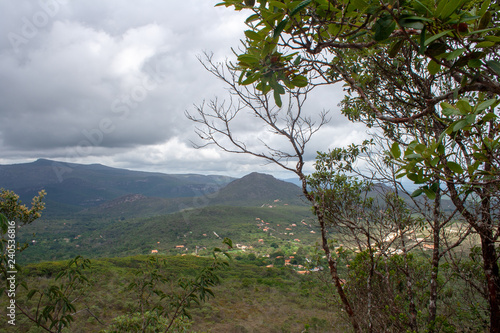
(72, 187)
(97, 190)
(258, 189)
(253, 190)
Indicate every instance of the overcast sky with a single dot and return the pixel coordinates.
(109, 81)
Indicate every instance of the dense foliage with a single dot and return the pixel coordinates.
(425, 74)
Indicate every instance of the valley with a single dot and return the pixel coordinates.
(146, 238)
(271, 227)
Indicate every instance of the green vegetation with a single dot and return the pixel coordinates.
(264, 288)
(425, 75)
(196, 230)
(248, 298)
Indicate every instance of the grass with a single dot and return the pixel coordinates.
(249, 299)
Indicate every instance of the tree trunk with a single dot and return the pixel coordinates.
(491, 273)
(484, 227)
(492, 280)
(433, 288)
(332, 264)
(409, 287)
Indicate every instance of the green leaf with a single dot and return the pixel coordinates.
(412, 176)
(420, 148)
(460, 124)
(417, 193)
(436, 49)
(277, 98)
(433, 67)
(455, 167)
(299, 7)
(420, 7)
(279, 28)
(495, 39)
(395, 151)
(478, 32)
(471, 119)
(299, 81)
(252, 35)
(228, 242)
(360, 4)
(400, 175)
(297, 61)
(3, 224)
(252, 18)
(278, 4)
(489, 117)
(449, 8)
(485, 20)
(474, 63)
(251, 79)
(412, 23)
(494, 65)
(418, 18)
(440, 148)
(436, 36)
(439, 8)
(248, 59)
(464, 106)
(486, 104)
(455, 54)
(473, 167)
(451, 112)
(356, 35)
(383, 28)
(429, 193)
(413, 156)
(484, 7)
(434, 162)
(277, 87)
(395, 47)
(484, 44)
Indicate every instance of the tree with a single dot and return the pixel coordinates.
(382, 234)
(54, 308)
(13, 214)
(378, 229)
(159, 309)
(289, 122)
(424, 72)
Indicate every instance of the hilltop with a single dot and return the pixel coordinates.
(258, 189)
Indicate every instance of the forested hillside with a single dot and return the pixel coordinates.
(72, 187)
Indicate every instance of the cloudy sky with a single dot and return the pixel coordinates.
(109, 81)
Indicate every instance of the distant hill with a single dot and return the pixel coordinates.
(258, 189)
(253, 190)
(72, 187)
(97, 190)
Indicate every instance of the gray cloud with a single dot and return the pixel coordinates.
(109, 81)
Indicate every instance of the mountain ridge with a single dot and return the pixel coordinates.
(79, 186)
(96, 189)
